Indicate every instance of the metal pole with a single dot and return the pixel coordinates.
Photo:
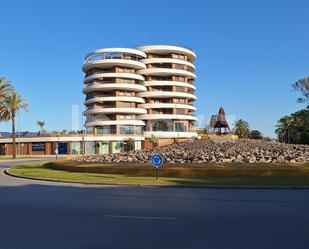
(57, 146)
(19, 132)
(83, 141)
(156, 173)
(83, 132)
(175, 124)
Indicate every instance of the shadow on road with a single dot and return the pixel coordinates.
(49, 216)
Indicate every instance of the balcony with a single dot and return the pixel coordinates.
(113, 55)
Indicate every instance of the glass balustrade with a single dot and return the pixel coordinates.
(112, 55)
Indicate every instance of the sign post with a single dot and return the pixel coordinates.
(56, 152)
(156, 161)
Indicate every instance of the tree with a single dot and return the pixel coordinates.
(302, 86)
(41, 125)
(9, 106)
(154, 141)
(300, 126)
(241, 128)
(255, 134)
(294, 128)
(284, 129)
(5, 87)
(130, 144)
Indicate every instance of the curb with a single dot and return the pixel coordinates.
(22, 159)
(162, 186)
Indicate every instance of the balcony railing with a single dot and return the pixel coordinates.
(110, 56)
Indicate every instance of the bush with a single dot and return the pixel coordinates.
(255, 134)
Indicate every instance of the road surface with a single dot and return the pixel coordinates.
(46, 215)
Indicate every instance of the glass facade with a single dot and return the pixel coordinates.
(103, 148)
(90, 147)
(76, 148)
(180, 127)
(112, 55)
(130, 129)
(103, 130)
(160, 125)
(116, 147)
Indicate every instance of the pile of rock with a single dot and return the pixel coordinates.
(213, 151)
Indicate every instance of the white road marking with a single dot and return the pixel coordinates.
(138, 217)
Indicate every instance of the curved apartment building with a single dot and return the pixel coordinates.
(169, 77)
(139, 93)
(111, 87)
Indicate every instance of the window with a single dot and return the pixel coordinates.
(180, 89)
(155, 111)
(116, 55)
(126, 129)
(125, 104)
(178, 66)
(180, 127)
(179, 78)
(103, 130)
(125, 81)
(179, 56)
(180, 111)
(160, 125)
(138, 130)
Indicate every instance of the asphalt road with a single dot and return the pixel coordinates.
(45, 215)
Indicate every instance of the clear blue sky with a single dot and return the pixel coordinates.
(249, 52)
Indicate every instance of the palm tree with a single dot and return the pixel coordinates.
(9, 106)
(284, 129)
(5, 87)
(241, 128)
(41, 125)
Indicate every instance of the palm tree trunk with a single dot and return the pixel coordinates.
(13, 137)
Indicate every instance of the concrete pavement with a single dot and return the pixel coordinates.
(48, 215)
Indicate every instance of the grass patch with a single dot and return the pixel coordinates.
(42, 170)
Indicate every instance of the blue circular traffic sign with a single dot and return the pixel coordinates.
(156, 160)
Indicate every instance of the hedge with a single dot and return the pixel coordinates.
(135, 169)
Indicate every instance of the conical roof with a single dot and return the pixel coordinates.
(221, 120)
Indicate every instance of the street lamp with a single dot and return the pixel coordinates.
(83, 141)
(175, 124)
(18, 132)
(57, 146)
